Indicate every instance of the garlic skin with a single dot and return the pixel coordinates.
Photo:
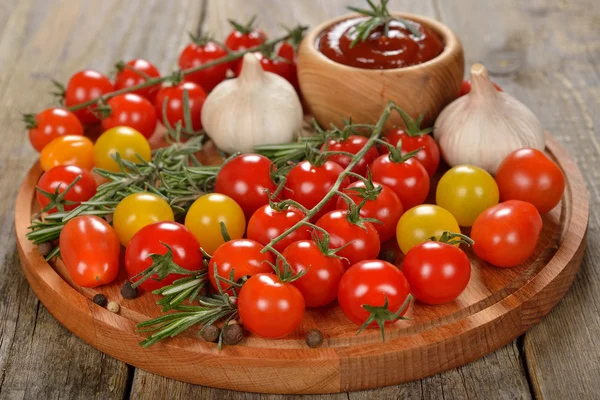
(484, 126)
(254, 109)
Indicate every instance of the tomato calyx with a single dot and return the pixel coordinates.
(370, 192)
(453, 238)
(30, 121)
(381, 314)
(200, 40)
(322, 242)
(413, 128)
(396, 152)
(295, 37)
(57, 199)
(243, 29)
(60, 91)
(162, 265)
(102, 110)
(353, 214)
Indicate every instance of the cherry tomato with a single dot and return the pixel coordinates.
(61, 177)
(429, 155)
(267, 223)
(151, 239)
(133, 111)
(50, 124)
(408, 179)
(244, 37)
(384, 207)
(243, 256)
(421, 223)
(175, 112)
(506, 234)
(466, 191)
(362, 242)
(85, 86)
(196, 54)
(126, 141)
(134, 73)
(137, 211)
(319, 285)
(90, 250)
(246, 180)
(270, 308)
(308, 184)
(466, 88)
(205, 216)
(353, 145)
(528, 175)
(370, 282)
(288, 52)
(282, 67)
(436, 272)
(68, 150)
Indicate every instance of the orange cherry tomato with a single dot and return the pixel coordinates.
(68, 150)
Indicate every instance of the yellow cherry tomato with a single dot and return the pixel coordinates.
(123, 140)
(205, 216)
(68, 150)
(422, 222)
(138, 210)
(466, 191)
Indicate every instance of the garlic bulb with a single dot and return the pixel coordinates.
(484, 126)
(254, 109)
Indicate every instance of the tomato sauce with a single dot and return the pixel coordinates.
(396, 50)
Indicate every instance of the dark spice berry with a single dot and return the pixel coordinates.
(129, 292)
(100, 299)
(314, 338)
(232, 333)
(210, 333)
(45, 248)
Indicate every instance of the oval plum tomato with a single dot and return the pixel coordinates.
(151, 239)
(90, 250)
(466, 191)
(129, 143)
(528, 175)
(243, 257)
(421, 223)
(353, 144)
(68, 150)
(362, 242)
(506, 234)
(270, 308)
(466, 88)
(308, 184)
(267, 223)
(319, 284)
(60, 177)
(370, 283)
(134, 73)
(51, 123)
(384, 207)
(205, 216)
(246, 179)
(85, 86)
(175, 112)
(436, 272)
(428, 156)
(137, 211)
(408, 179)
(199, 53)
(133, 111)
(244, 37)
(281, 67)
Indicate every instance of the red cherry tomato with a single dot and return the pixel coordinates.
(319, 285)
(270, 308)
(134, 73)
(528, 175)
(308, 184)
(246, 179)
(50, 124)
(362, 243)
(151, 239)
(437, 272)
(196, 97)
(353, 145)
(90, 250)
(408, 179)
(242, 38)
(243, 256)
(133, 111)
(288, 52)
(506, 234)
(429, 155)
(196, 54)
(385, 207)
(370, 282)
(85, 86)
(283, 68)
(466, 88)
(267, 223)
(61, 177)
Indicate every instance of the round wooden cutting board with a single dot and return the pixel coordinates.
(497, 306)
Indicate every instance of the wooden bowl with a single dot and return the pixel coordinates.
(334, 91)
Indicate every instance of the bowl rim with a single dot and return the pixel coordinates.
(451, 41)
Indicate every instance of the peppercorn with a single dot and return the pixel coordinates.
(314, 338)
(100, 299)
(129, 292)
(45, 248)
(232, 333)
(210, 333)
(113, 307)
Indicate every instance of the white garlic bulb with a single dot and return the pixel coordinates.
(256, 108)
(484, 126)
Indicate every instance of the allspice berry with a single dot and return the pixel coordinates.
(45, 248)
(232, 333)
(129, 292)
(113, 307)
(314, 338)
(100, 299)
(211, 333)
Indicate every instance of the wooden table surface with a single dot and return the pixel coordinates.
(545, 52)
